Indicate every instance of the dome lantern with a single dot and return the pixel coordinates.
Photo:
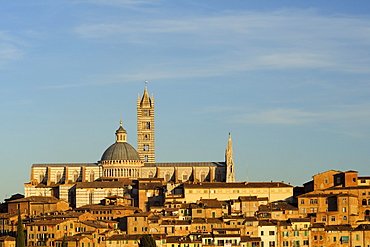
(121, 133)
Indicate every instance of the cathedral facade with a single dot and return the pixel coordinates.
(120, 164)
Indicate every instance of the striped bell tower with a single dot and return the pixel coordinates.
(145, 126)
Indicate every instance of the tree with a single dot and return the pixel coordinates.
(20, 241)
(147, 241)
(64, 242)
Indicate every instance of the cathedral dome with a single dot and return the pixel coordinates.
(120, 150)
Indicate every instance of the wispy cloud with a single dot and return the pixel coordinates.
(119, 3)
(9, 48)
(247, 40)
(354, 115)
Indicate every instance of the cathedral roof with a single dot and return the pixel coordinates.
(120, 151)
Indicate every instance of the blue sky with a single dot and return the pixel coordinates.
(288, 79)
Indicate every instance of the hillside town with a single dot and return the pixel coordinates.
(126, 194)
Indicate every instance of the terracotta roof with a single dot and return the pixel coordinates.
(105, 207)
(299, 220)
(338, 228)
(209, 203)
(317, 225)
(266, 223)
(206, 220)
(185, 164)
(279, 206)
(7, 238)
(46, 222)
(179, 239)
(37, 199)
(223, 185)
(141, 214)
(93, 223)
(315, 194)
(102, 184)
(71, 238)
(250, 239)
(150, 185)
(7, 215)
(251, 219)
(252, 198)
(124, 237)
(363, 227)
(175, 222)
(65, 165)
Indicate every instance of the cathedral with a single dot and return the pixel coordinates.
(121, 165)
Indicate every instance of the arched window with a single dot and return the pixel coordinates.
(75, 176)
(167, 177)
(363, 201)
(151, 174)
(92, 176)
(58, 177)
(202, 176)
(185, 176)
(344, 218)
(41, 177)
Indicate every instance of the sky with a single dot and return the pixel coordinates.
(288, 79)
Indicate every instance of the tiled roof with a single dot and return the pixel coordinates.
(266, 223)
(102, 184)
(299, 220)
(105, 207)
(46, 222)
(250, 239)
(223, 185)
(124, 237)
(315, 194)
(209, 203)
(7, 238)
(141, 214)
(93, 223)
(37, 199)
(338, 228)
(278, 206)
(185, 164)
(179, 239)
(7, 215)
(317, 225)
(150, 185)
(363, 227)
(175, 222)
(65, 165)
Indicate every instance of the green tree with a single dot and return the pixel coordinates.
(147, 241)
(20, 241)
(64, 242)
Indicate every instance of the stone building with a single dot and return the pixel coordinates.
(121, 165)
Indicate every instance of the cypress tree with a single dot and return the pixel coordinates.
(147, 241)
(20, 241)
